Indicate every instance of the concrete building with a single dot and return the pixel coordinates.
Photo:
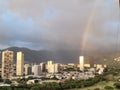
(36, 70)
(56, 68)
(7, 64)
(81, 62)
(27, 69)
(49, 66)
(20, 64)
(98, 66)
(52, 68)
(87, 65)
(14, 70)
(71, 65)
(43, 67)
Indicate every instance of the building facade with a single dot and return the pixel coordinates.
(52, 67)
(43, 67)
(81, 62)
(7, 64)
(27, 69)
(36, 70)
(20, 64)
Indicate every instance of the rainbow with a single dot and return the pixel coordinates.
(88, 27)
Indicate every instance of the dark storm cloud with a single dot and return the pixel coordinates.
(53, 24)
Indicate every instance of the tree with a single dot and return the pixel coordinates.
(97, 89)
(7, 81)
(117, 85)
(35, 88)
(36, 81)
(108, 88)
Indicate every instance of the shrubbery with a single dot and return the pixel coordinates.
(97, 89)
(69, 84)
(117, 85)
(108, 88)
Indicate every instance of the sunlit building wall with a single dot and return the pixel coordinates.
(95, 65)
(20, 64)
(98, 66)
(52, 68)
(14, 69)
(81, 62)
(43, 67)
(49, 66)
(7, 64)
(27, 69)
(87, 65)
(56, 68)
(36, 70)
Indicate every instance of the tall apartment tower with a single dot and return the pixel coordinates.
(28, 69)
(7, 64)
(20, 64)
(52, 67)
(36, 70)
(81, 62)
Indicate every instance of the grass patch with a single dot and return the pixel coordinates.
(100, 85)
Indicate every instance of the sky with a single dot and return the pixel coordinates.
(59, 24)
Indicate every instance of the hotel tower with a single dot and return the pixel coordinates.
(7, 64)
(20, 64)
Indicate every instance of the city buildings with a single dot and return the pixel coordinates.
(20, 64)
(43, 67)
(52, 67)
(47, 70)
(36, 70)
(56, 67)
(81, 63)
(7, 64)
(27, 69)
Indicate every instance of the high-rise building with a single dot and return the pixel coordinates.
(56, 68)
(36, 70)
(20, 64)
(14, 69)
(98, 66)
(28, 69)
(42, 65)
(81, 62)
(7, 64)
(52, 67)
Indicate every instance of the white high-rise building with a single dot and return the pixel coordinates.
(81, 63)
(7, 64)
(42, 65)
(36, 70)
(28, 69)
(52, 67)
(56, 68)
(20, 64)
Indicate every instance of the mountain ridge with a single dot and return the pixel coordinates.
(44, 55)
(60, 56)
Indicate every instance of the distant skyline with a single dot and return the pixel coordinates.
(59, 24)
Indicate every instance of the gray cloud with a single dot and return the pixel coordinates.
(53, 24)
